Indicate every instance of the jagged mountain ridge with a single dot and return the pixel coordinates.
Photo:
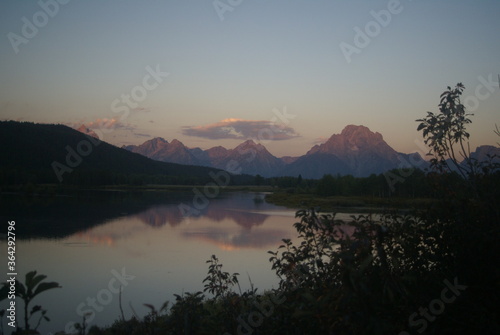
(48, 153)
(251, 157)
(161, 150)
(486, 152)
(356, 150)
(247, 158)
(361, 150)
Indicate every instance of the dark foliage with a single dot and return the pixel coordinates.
(29, 150)
(33, 285)
(431, 271)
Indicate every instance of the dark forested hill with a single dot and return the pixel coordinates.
(32, 152)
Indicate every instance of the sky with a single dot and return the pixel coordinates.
(287, 74)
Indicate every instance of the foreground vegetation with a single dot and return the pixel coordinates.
(346, 203)
(432, 270)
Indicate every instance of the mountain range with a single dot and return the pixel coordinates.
(48, 153)
(356, 150)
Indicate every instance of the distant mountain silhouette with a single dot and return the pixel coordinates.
(482, 152)
(216, 154)
(289, 159)
(51, 153)
(247, 158)
(251, 158)
(47, 153)
(161, 150)
(356, 151)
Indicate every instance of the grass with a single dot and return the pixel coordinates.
(153, 187)
(54, 189)
(333, 203)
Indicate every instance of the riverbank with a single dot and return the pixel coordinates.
(56, 189)
(353, 203)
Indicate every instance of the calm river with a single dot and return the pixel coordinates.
(93, 243)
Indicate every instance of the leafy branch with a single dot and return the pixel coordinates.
(446, 135)
(33, 286)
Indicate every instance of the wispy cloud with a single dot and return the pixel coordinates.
(112, 127)
(320, 140)
(104, 123)
(141, 135)
(242, 129)
(141, 110)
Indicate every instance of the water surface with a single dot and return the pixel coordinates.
(94, 243)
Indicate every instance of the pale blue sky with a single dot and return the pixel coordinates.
(263, 56)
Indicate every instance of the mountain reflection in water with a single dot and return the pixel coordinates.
(218, 224)
(78, 240)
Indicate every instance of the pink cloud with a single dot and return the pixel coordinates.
(233, 128)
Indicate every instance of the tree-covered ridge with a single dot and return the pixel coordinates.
(47, 153)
